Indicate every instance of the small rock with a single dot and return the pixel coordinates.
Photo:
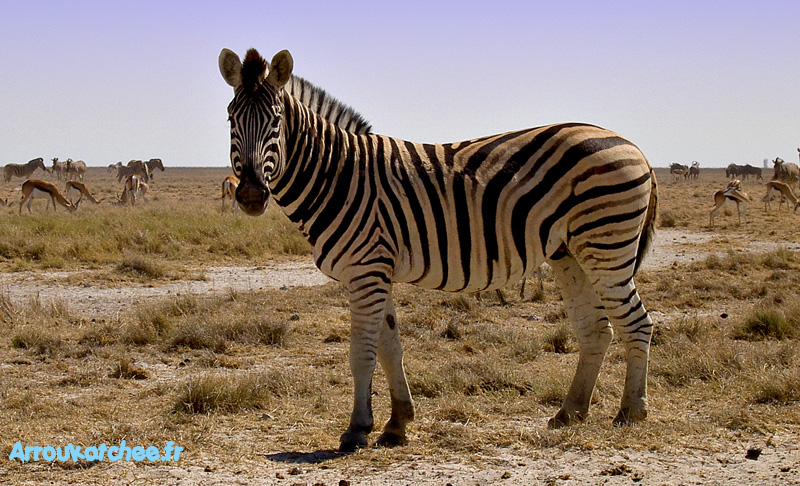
(506, 475)
(753, 453)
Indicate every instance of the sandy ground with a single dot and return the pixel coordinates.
(778, 463)
(92, 300)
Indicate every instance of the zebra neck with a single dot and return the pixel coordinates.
(319, 157)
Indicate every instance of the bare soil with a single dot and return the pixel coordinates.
(773, 458)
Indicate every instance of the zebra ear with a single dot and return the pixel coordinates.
(280, 69)
(231, 67)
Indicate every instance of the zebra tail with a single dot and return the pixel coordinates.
(648, 232)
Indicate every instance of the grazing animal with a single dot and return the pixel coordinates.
(23, 170)
(694, 170)
(134, 167)
(38, 187)
(152, 165)
(114, 167)
(731, 193)
(134, 187)
(75, 169)
(736, 171)
(678, 173)
(229, 186)
(60, 169)
(784, 191)
(81, 189)
(785, 171)
(462, 217)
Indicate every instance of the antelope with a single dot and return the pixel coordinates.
(229, 186)
(785, 171)
(81, 189)
(113, 167)
(678, 172)
(786, 192)
(733, 193)
(38, 187)
(133, 187)
(23, 170)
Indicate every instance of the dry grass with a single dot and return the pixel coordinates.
(229, 376)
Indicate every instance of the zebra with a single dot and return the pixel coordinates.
(462, 217)
(23, 170)
(785, 172)
(75, 169)
(153, 164)
(134, 167)
(60, 168)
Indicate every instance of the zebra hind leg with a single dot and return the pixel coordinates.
(593, 333)
(632, 323)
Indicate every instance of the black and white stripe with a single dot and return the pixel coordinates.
(463, 217)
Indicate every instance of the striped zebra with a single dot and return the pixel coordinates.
(469, 216)
(152, 165)
(134, 167)
(23, 170)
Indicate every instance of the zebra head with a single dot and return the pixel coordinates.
(256, 116)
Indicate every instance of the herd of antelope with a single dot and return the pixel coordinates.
(136, 175)
(785, 179)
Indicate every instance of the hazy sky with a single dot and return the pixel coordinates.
(107, 81)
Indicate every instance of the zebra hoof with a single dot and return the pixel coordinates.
(565, 419)
(352, 441)
(629, 416)
(388, 439)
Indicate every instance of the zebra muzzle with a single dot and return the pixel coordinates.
(252, 198)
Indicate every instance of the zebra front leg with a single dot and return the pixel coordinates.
(593, 333)
(368, 298)
(390, 356)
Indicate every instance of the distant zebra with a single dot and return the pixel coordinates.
(694, 170)
(785, 171)
(75, 169)
(23, 170)
(60, 168)
(134, 167)
(152, 165)
(470, 216)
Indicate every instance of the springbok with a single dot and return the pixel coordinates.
(38, 187)
(784, 189)
(23, 170)
(134, 187)
(229, 186)
(81, 189)
(732, 193)
(678, 173)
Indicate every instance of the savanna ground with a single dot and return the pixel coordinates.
(177, 321)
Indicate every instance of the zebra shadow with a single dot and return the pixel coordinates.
(316, 457)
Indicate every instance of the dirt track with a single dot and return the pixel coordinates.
(779, 462)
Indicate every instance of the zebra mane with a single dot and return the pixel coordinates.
(320, 102)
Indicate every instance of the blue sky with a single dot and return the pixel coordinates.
(108, 81)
